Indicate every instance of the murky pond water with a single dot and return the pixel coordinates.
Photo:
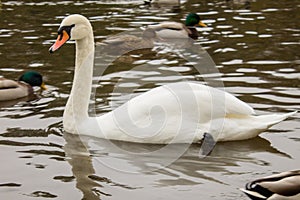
(255, 47)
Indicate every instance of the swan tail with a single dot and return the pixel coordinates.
(270, 120)
(247, 127)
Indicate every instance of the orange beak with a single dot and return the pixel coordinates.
(202, 24)
(61, 39)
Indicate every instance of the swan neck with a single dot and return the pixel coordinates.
(78, 102)
(84, 49)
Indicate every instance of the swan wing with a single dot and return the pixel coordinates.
(159, 115)
(182, 113)
(218, 101)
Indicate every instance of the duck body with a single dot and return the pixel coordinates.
(11, 90)
(173, 113)
(171, 30)
(282, 186)
(178, 30)
(125, 43)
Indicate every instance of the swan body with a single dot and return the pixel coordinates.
(178, 30)
(282, 186)
(11, 90)
(174, 113)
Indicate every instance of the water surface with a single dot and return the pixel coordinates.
(256, 50)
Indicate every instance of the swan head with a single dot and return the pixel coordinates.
(193, 19)
(73, 27)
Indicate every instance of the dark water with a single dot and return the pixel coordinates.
(256, 50)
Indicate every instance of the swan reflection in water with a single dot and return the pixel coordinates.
(91, 156)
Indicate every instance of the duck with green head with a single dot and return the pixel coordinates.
(10, 89)
(179, 30)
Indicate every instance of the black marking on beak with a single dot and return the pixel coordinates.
(65, 28)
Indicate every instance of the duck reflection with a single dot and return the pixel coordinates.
(10, 103)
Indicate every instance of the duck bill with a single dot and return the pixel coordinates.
(43, 86)
(202, 24)
(61, 40)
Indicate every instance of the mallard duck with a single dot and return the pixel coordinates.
(125, 43)
(10, 89)
(173, 113)
(179, 30)
(282, 186)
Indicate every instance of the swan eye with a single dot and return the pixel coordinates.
(65, 28)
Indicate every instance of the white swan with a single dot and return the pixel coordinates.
(175, 113)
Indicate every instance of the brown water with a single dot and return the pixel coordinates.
(255, 47)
